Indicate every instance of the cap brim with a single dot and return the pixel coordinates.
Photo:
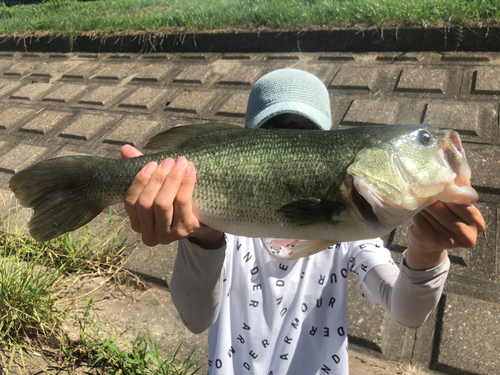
(305, 110)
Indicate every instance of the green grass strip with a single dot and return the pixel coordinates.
(73, 17)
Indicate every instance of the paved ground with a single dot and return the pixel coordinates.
(62, 104)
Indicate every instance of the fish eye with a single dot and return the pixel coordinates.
(424, 137)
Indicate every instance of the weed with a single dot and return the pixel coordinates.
(68, 253)
(34, 275)
(143, 356)
(27, 301)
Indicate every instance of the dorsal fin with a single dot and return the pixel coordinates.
(172, 138)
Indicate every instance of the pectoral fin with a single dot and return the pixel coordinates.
(311, 211)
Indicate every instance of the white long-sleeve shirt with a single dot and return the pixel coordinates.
(275, 316)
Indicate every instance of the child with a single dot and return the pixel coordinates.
(267, 314)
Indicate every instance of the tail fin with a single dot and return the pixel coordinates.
(57, 191)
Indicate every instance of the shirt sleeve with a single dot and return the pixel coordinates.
(407, 295)
(196, 285)
(367, 254)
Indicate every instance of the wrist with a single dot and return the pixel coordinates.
(210, 240)
(421, 261)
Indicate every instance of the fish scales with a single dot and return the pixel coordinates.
(249, 176)
(260, 175)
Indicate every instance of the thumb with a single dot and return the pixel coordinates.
(129, 151)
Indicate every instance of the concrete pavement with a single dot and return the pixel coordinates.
(54, 104)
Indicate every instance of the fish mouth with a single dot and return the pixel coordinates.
(459, 190)
(455, 155)
(364, 208)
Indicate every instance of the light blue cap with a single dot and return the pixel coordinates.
(289, 91)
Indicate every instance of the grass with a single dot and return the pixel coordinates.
(34, 279)
(125, 16)
(67, 253)
(142, 358)
(27, 302)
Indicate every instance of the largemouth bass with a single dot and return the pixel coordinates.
(330, 186)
